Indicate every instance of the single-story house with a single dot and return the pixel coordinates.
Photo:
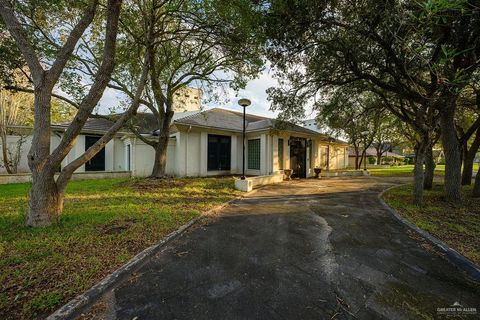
(372, 152)
(205, 143)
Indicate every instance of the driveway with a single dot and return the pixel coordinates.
(309, 249)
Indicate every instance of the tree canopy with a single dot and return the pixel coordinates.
(416, 56)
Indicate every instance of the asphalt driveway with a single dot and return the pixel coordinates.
(310, 249)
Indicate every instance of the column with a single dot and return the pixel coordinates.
(203, 153)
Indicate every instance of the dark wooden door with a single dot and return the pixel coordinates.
(298, 157)
(219, 152)
(97, 163)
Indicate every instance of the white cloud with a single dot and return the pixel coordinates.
(256, 92)
(110, 100)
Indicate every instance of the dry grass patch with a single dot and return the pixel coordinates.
(104, 224)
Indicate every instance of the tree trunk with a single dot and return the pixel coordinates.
(451, 147)
(418, 173)
(429, 168)
(361, 160)
(379, 158)
(160, 158)
(476, 186)
(467, 172)
(45, 203)
(469, 158)
(6, 163)
(357, 156)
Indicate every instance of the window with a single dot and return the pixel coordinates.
(97, 163)
(254, 154)
(219, 152)
(129, 157)
(280, 154)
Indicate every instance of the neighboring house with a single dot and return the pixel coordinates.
(372, 152)
(205, 143)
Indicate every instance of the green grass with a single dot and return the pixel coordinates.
(104, 224)
(458, 225)
(406, 171)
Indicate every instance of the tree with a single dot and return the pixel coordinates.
(16, 109)
(467, 124)
(354, 116)
(476, 186)
(13, 109)
(197, 43)
(37, 49)
(387, 135)
(418, 55)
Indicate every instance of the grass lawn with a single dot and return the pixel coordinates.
(104, 224)
(406, 171)
(458, 226)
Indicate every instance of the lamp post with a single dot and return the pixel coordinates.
(244, 103)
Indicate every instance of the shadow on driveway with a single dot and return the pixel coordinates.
(309, 249)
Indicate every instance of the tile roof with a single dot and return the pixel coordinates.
(92, 125)
(217, 118)
(144, 122)
(224, 119)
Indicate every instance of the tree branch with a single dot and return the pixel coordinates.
(18, 33)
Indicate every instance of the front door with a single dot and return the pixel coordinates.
(97, 163)
(219, 152)
(298, 157)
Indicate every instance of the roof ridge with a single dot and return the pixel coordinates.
(241, 113)
(189, 115)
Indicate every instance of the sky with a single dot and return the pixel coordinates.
(255, 91)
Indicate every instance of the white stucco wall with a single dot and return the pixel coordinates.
(114, 153)
(119, 160)
(142, 157)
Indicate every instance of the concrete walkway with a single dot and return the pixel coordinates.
(311, 249)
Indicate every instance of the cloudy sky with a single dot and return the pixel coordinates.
(255, 91)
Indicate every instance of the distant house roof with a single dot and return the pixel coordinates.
(373, 152)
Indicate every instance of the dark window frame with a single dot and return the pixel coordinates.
(280, 152)
(219, 152)
(254, 163)
(98, 161)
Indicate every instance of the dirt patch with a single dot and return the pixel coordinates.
(117, 226)
(153, 185)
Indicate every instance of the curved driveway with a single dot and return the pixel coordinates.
(310, 249)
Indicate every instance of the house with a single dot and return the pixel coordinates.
(205, 143)
(372, 153)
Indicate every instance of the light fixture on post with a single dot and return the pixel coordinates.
(244, 103)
